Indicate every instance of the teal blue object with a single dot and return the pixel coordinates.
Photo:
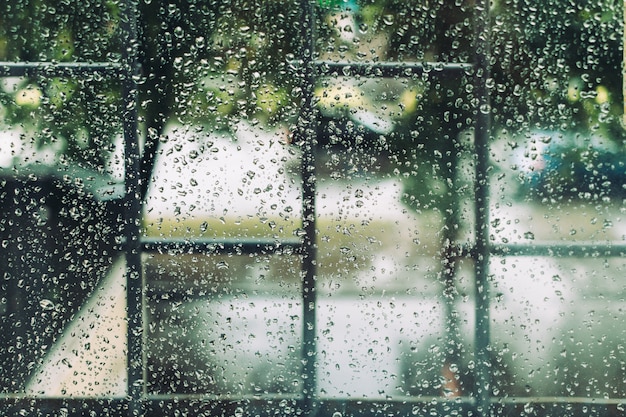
(339, 4)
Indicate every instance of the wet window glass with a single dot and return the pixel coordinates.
(329, 207)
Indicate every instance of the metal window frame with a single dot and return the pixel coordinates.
(139, 402)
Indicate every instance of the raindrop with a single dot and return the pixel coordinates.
(238, 412)
(46, 304)
(337, 414)
(222, 265)
(529, 235)
(388, 19)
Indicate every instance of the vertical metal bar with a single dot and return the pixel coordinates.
(449, 264)
(132, 214)
(481, 140)
(307, 129)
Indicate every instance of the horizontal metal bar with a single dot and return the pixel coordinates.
(571, 407)
(271, 397)
(222, 246)
(554, 249)
(217, 398)
(270, 405)
(559, 400)
(61, 69)
(562, 250)
(393, 69)
(68, 406)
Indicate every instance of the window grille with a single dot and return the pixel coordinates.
(137, 175)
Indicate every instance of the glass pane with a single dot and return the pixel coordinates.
(392, 30)
(61, 232)
(557, 326)
(220, 96)
(62, 123)
(557, 188)
(67, 31)
(389, 171)
(225, 173)
(558, 143)
(224, 325)
(234, 184)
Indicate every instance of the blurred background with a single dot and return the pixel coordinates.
(220, 93)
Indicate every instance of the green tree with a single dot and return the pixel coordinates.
(201, 62)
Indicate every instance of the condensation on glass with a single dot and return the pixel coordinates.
(312, 207)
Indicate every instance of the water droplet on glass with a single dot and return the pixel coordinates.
(238, 412)
(46, 304)
(388, 19)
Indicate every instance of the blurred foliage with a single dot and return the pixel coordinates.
(72, 116)
(554, 66)
(202, 62)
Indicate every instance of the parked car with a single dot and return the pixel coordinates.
(569, 164)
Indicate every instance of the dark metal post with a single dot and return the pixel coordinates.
(132, 215)
(481, 141)
(307, 131)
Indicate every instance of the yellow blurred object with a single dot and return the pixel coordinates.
(28, 97)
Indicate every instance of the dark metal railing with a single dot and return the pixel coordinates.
(62, 69)
(133, 211)
(482, 127)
